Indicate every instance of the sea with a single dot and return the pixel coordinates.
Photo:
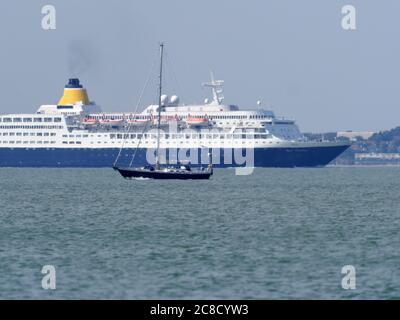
(323, 233)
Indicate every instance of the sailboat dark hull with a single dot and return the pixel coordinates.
(130, 173)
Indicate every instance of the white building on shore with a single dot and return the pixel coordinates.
(353, 135)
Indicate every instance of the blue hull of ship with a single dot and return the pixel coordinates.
(98, 158)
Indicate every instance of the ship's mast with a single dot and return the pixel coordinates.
(216, 87)
(159, 106)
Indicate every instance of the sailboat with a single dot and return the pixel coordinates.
(158, 172)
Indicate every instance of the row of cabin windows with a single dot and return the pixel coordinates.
(228, 117)
(189, 136)
(66, 142)
(102, 117)
(28, 120)
(31, 127)
(32, 134)
(172, 116)
(260, 117)
(28, 142)
(148, 135)
(76, 136)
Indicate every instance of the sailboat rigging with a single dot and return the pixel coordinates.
(158, 172)
(159, 107)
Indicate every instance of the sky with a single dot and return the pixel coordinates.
(293, 56)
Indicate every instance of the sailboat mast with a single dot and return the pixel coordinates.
(159, 107)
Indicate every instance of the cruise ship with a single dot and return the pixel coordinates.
(75, 132)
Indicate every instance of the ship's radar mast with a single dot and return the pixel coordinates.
(217, 89)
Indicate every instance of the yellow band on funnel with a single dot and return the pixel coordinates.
(75, 95)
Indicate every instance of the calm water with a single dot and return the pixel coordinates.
(279, 233)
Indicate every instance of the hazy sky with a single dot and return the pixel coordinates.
(292, 55)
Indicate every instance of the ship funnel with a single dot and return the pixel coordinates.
(74, 93)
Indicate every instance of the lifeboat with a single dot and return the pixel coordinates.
(197, 121)
(164, 120)
(138, 122)
(111, 122)
(89, 121)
